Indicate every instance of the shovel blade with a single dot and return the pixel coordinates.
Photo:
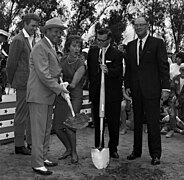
(100, 158)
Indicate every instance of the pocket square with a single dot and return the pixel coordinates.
(108, 61)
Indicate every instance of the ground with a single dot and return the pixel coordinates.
(17, 167)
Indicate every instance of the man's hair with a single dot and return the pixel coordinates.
(103, 31)
(141, 16)
(31, 16)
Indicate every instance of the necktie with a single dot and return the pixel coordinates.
(100, 56)
(33, 42)
(140, 48)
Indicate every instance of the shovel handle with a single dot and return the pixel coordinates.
(70, 106)
(102, 99)
(102, 90)
(67, 98)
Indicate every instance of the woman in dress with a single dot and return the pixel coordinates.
(73, 69)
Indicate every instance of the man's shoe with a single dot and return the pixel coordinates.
(170, 134)
(155, 161)
(50, 164)
(29, 146)
(133, 156)
(114, 155)
(22, 150)
(41, 172)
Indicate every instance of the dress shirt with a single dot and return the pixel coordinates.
(174, 70)
(30, 38)
(105, 50)
(143, 43)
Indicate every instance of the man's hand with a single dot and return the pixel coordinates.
(104, 68)
(64, 87)
(128, 92)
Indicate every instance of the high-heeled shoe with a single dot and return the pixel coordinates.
(74, 160)
(64, 156)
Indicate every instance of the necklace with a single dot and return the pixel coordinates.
(71, 59)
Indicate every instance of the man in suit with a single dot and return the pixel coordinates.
(113, 88)
(18, 72)
(146, 80)
(42, 88)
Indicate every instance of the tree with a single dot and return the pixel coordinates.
(12, 9)
(157, 12)
(87, 14)
(117, 19)
(175, 12)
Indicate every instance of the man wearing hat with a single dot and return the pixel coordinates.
(3, 38)
(18, 72)
(42, 88)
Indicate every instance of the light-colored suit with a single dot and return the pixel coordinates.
(18, 72)
(42, 88)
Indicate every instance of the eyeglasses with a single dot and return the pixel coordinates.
(139, 25)
(101, 40)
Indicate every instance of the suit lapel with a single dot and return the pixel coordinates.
(26, 40)
(146, 45)
(50, 47)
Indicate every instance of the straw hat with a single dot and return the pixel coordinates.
(4, 33)
(53, 23)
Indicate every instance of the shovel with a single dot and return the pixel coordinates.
(77, 121)
(100, 156)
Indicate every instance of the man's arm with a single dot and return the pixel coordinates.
(13, 58)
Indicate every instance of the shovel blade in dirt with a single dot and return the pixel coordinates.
(100, 157)
(79, 121)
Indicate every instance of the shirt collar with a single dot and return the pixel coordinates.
(25, 33)
(50, 42)
(105, 48)
(145, 38)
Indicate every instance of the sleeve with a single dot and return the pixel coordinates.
(163, 65)
(13, 58)
(127, 70)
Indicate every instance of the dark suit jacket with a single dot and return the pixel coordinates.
(18, 62)
(152, 73)
(113, 80)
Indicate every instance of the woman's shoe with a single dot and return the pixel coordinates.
(170, 134)
(164, 130)
(64, 156)
(74, 160)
